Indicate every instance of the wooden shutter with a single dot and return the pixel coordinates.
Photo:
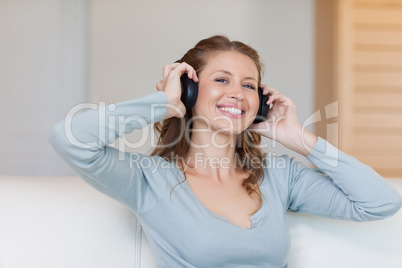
(366, 74)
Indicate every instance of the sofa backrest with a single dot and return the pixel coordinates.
(62, 222)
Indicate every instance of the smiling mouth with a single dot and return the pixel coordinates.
(231, 110)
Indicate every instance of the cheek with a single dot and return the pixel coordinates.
(254, 103)
(206, 97)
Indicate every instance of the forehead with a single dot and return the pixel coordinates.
(232, 61)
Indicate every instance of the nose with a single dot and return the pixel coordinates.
(236, 92)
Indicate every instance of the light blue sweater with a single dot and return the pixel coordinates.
(181, 230)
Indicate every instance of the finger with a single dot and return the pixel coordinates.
(272, 91)
(194, 76)
(275, 98)
(185, 68)
(159, 86)
(168, 68)
(269, 90)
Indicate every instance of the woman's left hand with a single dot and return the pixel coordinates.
(283, 124)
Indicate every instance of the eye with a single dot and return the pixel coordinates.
(249, 86)
(221, 80)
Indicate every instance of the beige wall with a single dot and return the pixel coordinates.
(48, 48)
(131, 40)
(42, 74)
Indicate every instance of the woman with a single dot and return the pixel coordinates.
(207, 197)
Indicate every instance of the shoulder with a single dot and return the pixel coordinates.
(276, 185)
(151, 179)
(282, 171)
(155, 168)
(278, 166)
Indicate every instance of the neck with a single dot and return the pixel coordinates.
(212, 152)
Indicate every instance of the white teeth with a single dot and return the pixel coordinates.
(231, 110)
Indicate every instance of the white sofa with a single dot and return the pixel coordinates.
(62, 222)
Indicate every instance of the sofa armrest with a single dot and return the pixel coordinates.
(319, 242)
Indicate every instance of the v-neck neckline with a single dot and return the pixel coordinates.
(253, 218)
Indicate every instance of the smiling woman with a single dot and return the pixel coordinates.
(206, 196)
(232, 93)
(229, 75)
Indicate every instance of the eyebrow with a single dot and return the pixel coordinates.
(229, 73)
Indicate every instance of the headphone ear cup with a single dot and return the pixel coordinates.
(263, 108)
(189, 91)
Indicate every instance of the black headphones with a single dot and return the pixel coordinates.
(189, 93)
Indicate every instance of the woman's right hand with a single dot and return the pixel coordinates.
(170, 85)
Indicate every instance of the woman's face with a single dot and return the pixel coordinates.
(228, 93)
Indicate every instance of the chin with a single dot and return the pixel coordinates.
(234, 128)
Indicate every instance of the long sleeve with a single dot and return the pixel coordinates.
(341, 187)
(82, 140)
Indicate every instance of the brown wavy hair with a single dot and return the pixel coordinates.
(248, 154)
